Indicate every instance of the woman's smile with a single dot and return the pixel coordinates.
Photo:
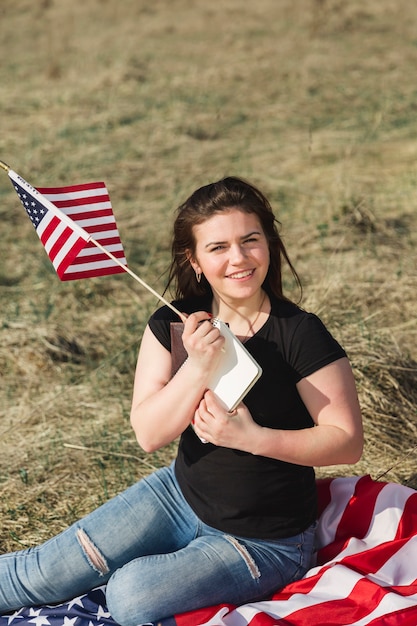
(241, 275)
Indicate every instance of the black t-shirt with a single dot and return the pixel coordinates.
(241, 493)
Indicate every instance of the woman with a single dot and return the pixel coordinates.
(232, 519)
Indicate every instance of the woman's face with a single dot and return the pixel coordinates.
(232, 252)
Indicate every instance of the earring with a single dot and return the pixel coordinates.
(198, 276)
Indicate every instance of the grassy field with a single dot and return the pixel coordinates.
(314, 101)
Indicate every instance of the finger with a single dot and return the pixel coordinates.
(196, 425)
(202, 408)
(208, 333)
(211, 401)
(194, 319)
(236, 409)
(214, 405)
(197, 324)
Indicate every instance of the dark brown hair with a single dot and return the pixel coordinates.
(230, 192)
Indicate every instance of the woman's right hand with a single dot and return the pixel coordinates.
(202, 341)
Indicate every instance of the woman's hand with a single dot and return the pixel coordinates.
(202, 341)
(214, 424)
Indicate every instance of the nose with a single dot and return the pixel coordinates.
(237, 254)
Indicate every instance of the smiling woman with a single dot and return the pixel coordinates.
(233, 518)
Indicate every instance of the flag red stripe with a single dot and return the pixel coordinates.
(63, 266)
(98, 228)
(104, 271)
(403, 590)
(303, 586)
(74, 202)
(351, 521)
(59, 243)
(371, 561)
(403, 617)
(408, 522)
(53, 224)
(90, 214)
(108, 241)
(100, 256)
(71, 188)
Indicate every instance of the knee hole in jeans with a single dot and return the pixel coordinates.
(94, 556)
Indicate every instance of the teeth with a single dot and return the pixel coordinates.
(241, 274)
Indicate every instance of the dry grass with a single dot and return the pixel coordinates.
(312, 100)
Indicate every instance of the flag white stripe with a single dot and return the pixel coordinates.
(400, 568)
(102, 236)
(343, 491)
(389, 505)
(98, 221)
(91, 251)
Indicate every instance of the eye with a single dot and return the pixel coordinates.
(217, 248)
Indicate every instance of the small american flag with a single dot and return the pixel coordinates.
(76, 226)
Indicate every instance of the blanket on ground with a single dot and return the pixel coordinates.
(365, 572)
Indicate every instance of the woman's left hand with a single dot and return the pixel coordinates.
(214, 424)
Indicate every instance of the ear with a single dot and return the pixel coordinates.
(193, 262)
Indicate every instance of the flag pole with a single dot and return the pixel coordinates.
(136, 277)
(74, 225)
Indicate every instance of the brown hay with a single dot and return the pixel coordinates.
(312, 100)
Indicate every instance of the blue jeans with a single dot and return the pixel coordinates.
(155, 555)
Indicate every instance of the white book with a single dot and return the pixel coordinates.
(237, 371)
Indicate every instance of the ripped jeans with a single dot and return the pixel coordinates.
(155, 555)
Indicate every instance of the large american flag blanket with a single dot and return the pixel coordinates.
(365, 571)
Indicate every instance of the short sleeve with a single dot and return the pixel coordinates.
(160, 323)
(312, 347)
